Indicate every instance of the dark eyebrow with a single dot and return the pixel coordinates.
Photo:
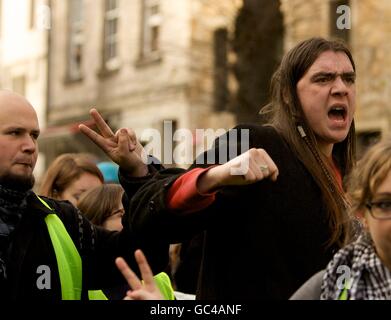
(15, 129)
(323, 73)
(333, 74)
(33, 131)
(349, 74)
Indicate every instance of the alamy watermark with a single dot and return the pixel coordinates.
(44, 278)
(344, 20)
(182, 146)
(344, 281)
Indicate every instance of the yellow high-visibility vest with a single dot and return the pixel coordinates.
(70, 264)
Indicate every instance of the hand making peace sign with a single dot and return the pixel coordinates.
(146, 290)
(122, 147)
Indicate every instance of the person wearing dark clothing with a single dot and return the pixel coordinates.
(31, 248)
(29, 265)
(281, 220)
(187, 271)
(280, 234)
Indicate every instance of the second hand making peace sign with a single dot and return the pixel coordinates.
(146, 290)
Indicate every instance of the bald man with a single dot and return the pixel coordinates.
(48, 250)
(19, 131)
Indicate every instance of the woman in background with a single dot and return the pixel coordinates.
(362, 269)
(102, 205)
(69, 176)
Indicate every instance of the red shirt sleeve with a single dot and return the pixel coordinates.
(184, 196)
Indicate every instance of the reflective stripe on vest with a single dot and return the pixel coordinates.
(345, 292)
(96, 295)
(68, 259)
(70, 264)
(163, 282)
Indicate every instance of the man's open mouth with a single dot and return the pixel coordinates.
(338, 112)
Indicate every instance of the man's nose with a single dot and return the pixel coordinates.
(29, 144)
(339, 87)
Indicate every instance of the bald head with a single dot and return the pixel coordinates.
(13, 101)
(19, 131)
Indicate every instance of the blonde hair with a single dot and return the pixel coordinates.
(64, 170)
(367, 176)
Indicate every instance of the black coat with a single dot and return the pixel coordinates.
(31, 247)
(262, 241)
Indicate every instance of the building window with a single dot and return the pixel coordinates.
(110, 39)
(220, 50)
(32, 14)
(76, 40)
(19, 85)
(150, 37)
(340, 19)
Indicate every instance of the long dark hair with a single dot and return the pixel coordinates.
(285, 113)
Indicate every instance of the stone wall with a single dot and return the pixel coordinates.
(372, 47)
(206, 18)
(139, 88)
(180, 85)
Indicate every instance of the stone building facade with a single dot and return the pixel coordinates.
(24, 26)
(161, 69)
(142, 62)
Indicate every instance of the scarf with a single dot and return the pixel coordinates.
(12, 206)
(369, 278)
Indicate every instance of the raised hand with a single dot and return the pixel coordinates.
(146, 290)
(249, 167)
(122, 147)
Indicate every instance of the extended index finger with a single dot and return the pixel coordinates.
(103, 127)
(133, 281)
(95, 137)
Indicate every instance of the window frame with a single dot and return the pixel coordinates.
(75, 39)
(150, 45)
(110, 63)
